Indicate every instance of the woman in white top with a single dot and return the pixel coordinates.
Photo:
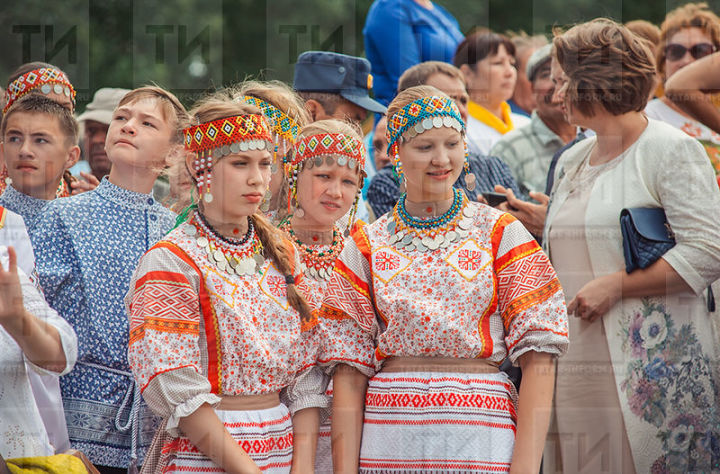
(487, 60)
(32, 337)
(637, 391)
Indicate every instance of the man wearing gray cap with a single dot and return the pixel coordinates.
(335, 86)
(528, 150)
(95, 122)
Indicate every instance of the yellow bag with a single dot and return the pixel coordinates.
(57, 464)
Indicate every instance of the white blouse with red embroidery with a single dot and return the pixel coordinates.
(491, 295)
(197, 332)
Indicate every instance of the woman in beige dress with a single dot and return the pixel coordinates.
(638, 388)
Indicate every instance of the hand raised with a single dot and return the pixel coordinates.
(11, 300)
(88, 183)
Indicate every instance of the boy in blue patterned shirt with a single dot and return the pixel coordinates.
(87, 249)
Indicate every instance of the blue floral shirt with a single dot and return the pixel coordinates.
(88, 247)
(27, 206)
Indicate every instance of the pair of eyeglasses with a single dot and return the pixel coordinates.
(675, 52)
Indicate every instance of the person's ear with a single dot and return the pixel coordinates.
(189, 164)
(468, 73)
(173, 153)
(73, 156)
(315, 109)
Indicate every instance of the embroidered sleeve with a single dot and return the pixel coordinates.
(530, 299)
(165, 336)
(347, 316)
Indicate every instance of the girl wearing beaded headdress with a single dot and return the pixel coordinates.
(218, 327)
(426, 302)
(286, 114)
(325, 179)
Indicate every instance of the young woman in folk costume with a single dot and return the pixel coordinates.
(286, 114)
(216, 319)
(426, 302)
(326, 173)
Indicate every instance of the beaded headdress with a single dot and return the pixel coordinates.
(282, 124)
(420, 116)
(47, 79)
(284, 127)
(213, 140)
(345, 150)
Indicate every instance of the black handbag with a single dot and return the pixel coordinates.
(647, 236)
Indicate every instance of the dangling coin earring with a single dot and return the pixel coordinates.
(399, 174)
(274, 167)
(208, 197)
(265, 204)
(470, 178)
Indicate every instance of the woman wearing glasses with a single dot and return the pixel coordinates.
(688, 33)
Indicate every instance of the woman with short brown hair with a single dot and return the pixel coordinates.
(624, 389)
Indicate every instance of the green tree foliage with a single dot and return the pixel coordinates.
(191, 46)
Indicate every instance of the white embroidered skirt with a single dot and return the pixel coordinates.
(436, 422)
(266, 435)
(323, 455)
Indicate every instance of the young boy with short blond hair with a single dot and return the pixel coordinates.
(88, 247)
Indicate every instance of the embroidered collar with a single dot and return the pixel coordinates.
(124, 197)
(480, 113)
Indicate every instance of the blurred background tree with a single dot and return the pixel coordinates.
(191, 46)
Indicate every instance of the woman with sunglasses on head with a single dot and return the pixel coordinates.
(217, 326)
(422, 307)
(689, 33)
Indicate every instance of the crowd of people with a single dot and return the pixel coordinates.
(512, 272)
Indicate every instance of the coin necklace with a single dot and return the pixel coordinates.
(410, 233)
(233, 256)
(317, 262)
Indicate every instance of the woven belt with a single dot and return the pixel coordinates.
(249, 402)
(439, 364)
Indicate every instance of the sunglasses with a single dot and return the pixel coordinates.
(675, 52)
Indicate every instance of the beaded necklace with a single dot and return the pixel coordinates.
(233, 256)
(316, 262)
(411, 233)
